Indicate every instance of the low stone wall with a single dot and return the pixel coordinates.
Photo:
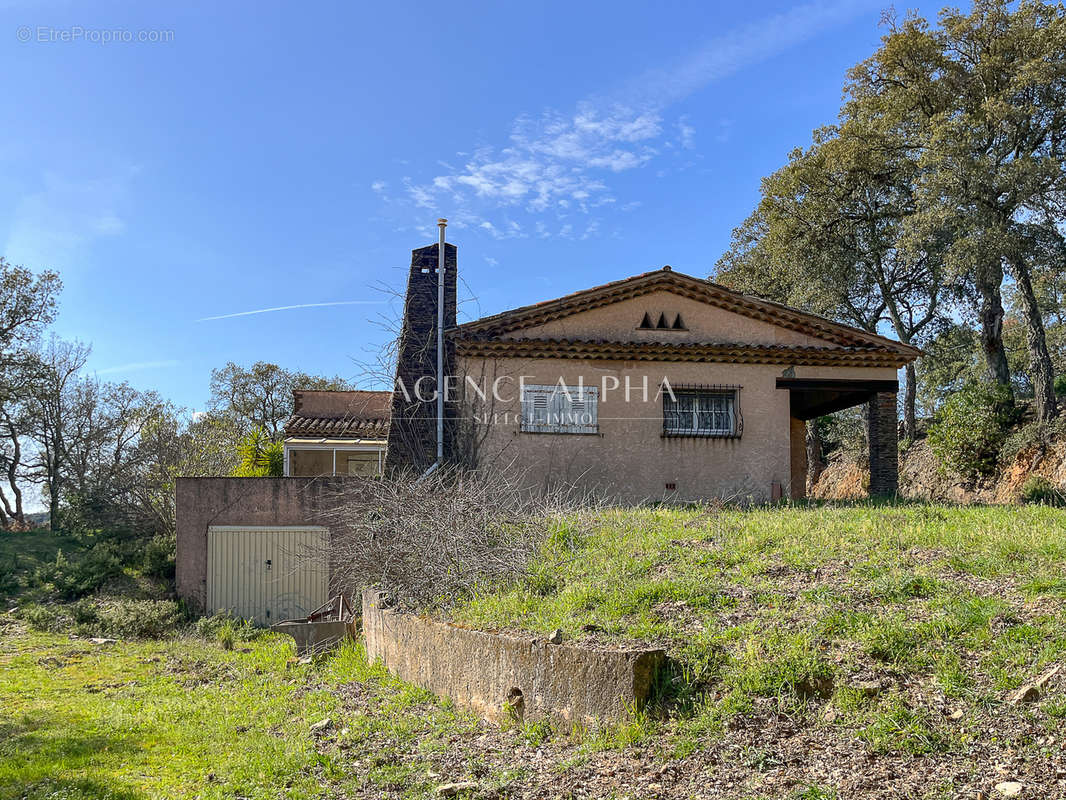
(497, 675)
(202, 502)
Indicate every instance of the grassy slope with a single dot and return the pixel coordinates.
(777, 619)
(955, 606)
(183, 718)
(21, 553)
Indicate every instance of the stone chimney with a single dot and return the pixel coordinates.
(413, 429)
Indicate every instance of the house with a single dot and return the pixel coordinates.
(337, 433)
(661, 386)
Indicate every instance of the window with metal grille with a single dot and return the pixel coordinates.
(701, 412)
(559, 409)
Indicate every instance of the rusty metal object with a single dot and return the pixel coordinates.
(322, 629)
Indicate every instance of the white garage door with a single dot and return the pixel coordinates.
(266, 574)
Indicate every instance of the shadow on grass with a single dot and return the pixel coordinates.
(84, 789)
(51, 756)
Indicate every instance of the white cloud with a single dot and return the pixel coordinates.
(548, 163)
(686, 133)
(422, 197)
(560, 162)
(741, 47)
(379, 186)
(50, 226)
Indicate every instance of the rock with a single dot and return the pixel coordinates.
(1008, 789)
(1042, 681)
(556, 637)
(322, 726)
(958, 713)
(818, 686)
(1031, 692)
(830, 715)
(452, 789)
(102, 640)
(870, 688)
(1026, 694)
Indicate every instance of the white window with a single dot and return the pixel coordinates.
(559, 409)
(700, 413)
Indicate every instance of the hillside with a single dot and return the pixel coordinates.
(817, 653)
(871, 651)
(923, 477)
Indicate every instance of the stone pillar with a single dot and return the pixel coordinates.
(413, 427)
(797, 430)
(884, 444)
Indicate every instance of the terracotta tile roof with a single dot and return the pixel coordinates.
(688, 286)
(736, 353)
(305, 427)
(355, 414)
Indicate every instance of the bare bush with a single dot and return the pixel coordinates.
(429, 541)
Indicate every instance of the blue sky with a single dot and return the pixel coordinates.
(266, 155)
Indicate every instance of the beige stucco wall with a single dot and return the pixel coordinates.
(203, 502)
(629, 458)
(619, 321)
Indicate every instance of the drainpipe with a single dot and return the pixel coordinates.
(442, 224)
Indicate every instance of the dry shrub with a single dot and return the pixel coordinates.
(429, 541)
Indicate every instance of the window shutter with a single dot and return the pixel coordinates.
(559, 410)
(536, 407)
(553, 409)
(588, 420)
(541, 408)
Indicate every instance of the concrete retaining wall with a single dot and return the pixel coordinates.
(201, 502)
(498, 675)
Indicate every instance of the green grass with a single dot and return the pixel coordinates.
(768, 610)
(185, 718)
(22, 553)
(766, 614)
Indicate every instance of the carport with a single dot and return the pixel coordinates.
(810, 398)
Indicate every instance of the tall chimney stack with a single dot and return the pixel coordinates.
(413, 429)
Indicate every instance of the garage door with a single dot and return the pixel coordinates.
(266, 574)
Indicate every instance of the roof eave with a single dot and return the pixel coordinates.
(727, 352)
